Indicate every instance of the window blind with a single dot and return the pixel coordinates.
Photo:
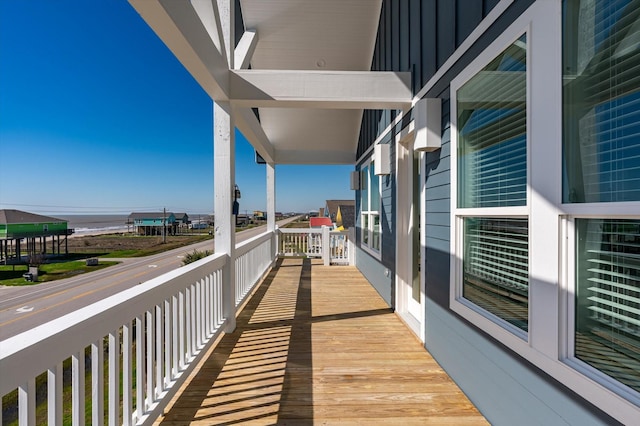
(492, 123)
(496, 267)
(602, 101)
(608, 297)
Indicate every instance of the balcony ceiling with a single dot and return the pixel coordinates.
(315, 35)
(308, 73)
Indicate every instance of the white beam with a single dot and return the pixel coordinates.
(178, 25)
(248, 124)
(207, 10)
(226, 13)
(244, 50)
(320, 89)
(315, 157)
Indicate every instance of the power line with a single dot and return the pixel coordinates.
(80, 207)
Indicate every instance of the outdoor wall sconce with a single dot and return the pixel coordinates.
(381, 155)
(236, 197)
(427, 114)
(355, 180)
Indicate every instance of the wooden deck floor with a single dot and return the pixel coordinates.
(316, 345)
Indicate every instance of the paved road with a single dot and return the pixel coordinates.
(22, 308)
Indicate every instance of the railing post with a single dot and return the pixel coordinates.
(326, 245)
(351, 246)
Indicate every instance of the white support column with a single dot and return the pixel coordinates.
(271, 207)
(224, 169)
(224, 178)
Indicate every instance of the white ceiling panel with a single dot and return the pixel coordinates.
(312, 35)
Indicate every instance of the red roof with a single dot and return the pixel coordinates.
(317, 222)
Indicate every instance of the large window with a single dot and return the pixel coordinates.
(545, 209)
(601, 164)
(491, 117)
(370, 208)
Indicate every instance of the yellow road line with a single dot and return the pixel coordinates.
(86, 293)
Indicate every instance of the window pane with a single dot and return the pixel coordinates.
(608, 297)
(375, 189)
(376, 232)
(601, 97)
(496, 267)
(364, 194)
(492, 133)
(365, 228)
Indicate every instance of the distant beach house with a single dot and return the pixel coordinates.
(319, 222)
(341, 212)
(182, 221)
(152, 223)
(346, 216)
(34, 229)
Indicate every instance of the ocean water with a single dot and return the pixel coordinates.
(89, 223)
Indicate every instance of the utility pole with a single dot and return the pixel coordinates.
(164, 225)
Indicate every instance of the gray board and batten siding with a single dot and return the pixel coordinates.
(506, 388)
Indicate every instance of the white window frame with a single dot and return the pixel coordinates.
(477, 315)
(549, 342)
(366, 211)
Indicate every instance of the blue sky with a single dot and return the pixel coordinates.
(97, 116)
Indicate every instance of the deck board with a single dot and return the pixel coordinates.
(317, 345)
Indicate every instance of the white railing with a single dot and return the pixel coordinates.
(334, 247)
(155, 333)
(300, 242)
(339, 247)
(253, 258)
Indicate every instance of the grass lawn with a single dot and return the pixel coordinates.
(102, 246)
(48, 272)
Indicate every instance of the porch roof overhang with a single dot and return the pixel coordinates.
(309, 75)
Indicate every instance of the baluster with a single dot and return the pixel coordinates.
(158, 352)
(27, 403)
(77, 388)
(192, 331)
(187, 330)
(97, 382)
(174, 336)
(54, 395)
(127, 370)
(181, 328)
(114, 378)
(207, 305)
(168, 342)
(149, 350)
(140, 379)
(198, 313)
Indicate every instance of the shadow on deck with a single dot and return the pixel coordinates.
(317, 345)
